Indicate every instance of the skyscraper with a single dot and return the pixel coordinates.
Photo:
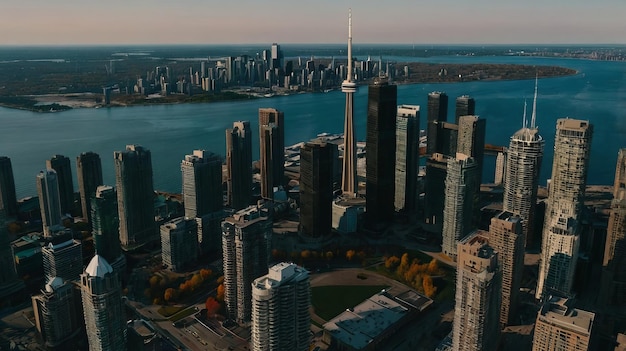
(272, 150)
(506, 237)
(8, 199)
(9, 282)
(435, 190)
(89, 170)
(316, 189)
(179, 245)
(349, 184)
(102, 306)
(471, 141)
(381, 154)
(460, 184)
(478, 281)
(246, 240)
(437, 112)
(49, 203)
(615, 248)
(61, 165)
(58, 313)
(62, 257)
(105, 226)
(135, 196)
(566, 193)
(202, 194)
(239, 163)
(407, 158)
(521, 178)
(465, 106)
(560, 326)
(280, 309)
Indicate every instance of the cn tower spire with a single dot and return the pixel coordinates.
(349, 177)
(534, 115)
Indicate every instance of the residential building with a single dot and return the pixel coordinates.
(272, 150)
(239, 163)
(280, 309)
(316, 189)
(460, 185)
(471, 142)
(135, 196)
(478, 282)
(105, 227)
(435, 190)
(89, 171)
(61, 165)
(246, 240)
(49, 203)
(102, 306)
(381, 154)
(8, 199)
(560, 326)
(506, 237)
(62, 258)
(465, 106)
(179, 245)
(407, 158)
(437, 112)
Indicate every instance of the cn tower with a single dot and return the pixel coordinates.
(349, 180)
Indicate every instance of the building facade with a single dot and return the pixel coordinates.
(62, 258)
(272, 150)
(179, 245)
(246, 240)
(102, 306)
(465, 106)
(89, 172)
(437, 112)
(280, 309)
(381, 154)
(8, 199)
(49, 203)
(135, 196)
(105, 227)
(435, 190)
(239, 163)
(316, 189)
(560, 326)
(478, 281)
(407, 158)
(61, 165)
(471, 141)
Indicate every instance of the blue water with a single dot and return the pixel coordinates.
(597, 93)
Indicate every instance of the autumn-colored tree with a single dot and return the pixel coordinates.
(392, 262)
(205, 273)
(429, 288)
(154, 281)
(305, 254)
(157, 301)
(220, 280)
(350, 254)
(168, 294)
(212, 306)
(196, 281)
(220, 293)
(329, 255)
(410, 274)
(433, 266)
(404, 264)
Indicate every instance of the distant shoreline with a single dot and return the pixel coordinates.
(419, 73)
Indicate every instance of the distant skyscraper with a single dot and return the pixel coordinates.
(460, 186)
(437, 112)
(9, 282)
(62, 257)
(246, 240)
(135, 196)
(239, 163)
(435, 192)
(465, 106)
(105, 226)
(179, 245)
(478, 281)
(615, 248)
(272, 150)
(280, 309)
(506, 237)
(61, 165)
(471, 140)
(316, 189)
(349, 183)
(58, 312)
(407, 158)
(521, 178)
(561, 230)
(89, 170)
(8, 200)
(202, 193)
(381, 154)
(102, 306)
(560, 326)
(276, 57)
(49, 204)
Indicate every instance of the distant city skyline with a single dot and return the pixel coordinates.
(72, 22)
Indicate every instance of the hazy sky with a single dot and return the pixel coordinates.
(264, 21)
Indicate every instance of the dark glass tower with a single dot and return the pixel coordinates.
(89, 171)
(272, 150)
(437, 112)
(8, 199)
(239, 163)
(105, 223)
(61, 165)
(381, 154)
(316, 189)
(135, 196)
(465, 106)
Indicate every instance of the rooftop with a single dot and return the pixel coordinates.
(98, 267)
(560, 311)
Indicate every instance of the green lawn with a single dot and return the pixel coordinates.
(167, 311)
(329, 301)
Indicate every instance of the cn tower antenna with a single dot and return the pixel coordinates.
(534, 115)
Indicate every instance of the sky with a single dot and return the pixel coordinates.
(79, 22)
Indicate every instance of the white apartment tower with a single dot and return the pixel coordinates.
(280, 309)
(561, 230)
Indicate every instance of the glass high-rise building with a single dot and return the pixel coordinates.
(407, 158)
(105, 227)
(89, 171)
(49, 202)
(61, 165)
(437, 112)
(239, 163)
(316, 189)
(135, 196)
(465, 106)
(8, 199)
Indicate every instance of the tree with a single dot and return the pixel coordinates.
(433, 266)
(350, 254)
(168, 294)
(429, 288)
(220, 292)
(212, 306)
(329, 255)
(305, 254)
(205, 273)
(392, 262)
(196, 281)
(220, 280)
(154, 281)
(404, 264)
